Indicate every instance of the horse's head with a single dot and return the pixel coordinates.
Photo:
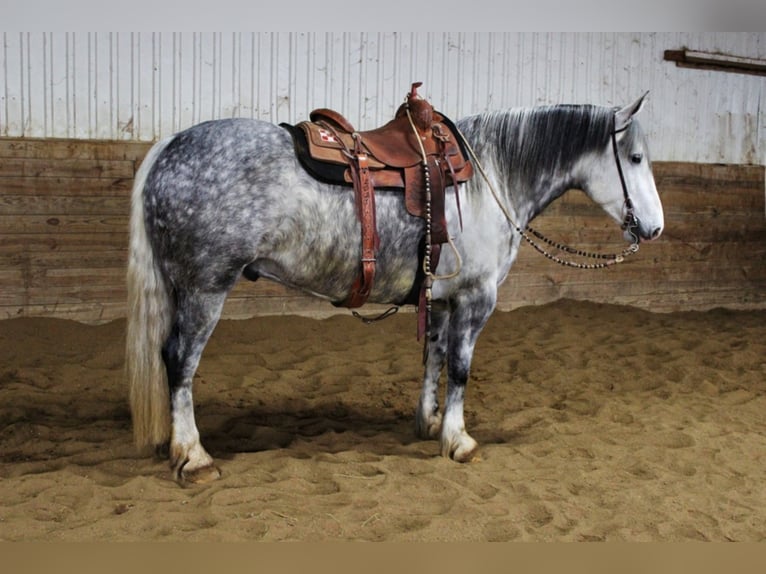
(621, 180)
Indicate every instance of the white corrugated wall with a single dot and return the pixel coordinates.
(143, 86)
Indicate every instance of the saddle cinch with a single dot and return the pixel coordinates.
(397, 156)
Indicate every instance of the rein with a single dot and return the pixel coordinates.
(630, 222)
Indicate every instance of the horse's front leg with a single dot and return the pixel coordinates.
(469, 315)
(428, 419)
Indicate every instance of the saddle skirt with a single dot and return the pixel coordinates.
(392, 157)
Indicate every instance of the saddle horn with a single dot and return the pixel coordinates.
(421, 111)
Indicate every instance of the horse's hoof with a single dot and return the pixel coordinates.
(463, 450)
(470, 455)
(200, 475)
(192, 465)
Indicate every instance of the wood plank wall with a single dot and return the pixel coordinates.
(64, 208)
(712, 252)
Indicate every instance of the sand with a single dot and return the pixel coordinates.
(596, 422)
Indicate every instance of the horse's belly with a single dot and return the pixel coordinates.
(325, 260)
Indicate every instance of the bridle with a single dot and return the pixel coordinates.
(630, 222)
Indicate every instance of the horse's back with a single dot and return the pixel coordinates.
(220, 147)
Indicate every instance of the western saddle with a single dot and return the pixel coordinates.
(419, 152)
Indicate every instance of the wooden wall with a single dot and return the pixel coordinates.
(64, 208)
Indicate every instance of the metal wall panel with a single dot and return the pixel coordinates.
(142, 86)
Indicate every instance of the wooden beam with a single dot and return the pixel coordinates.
(716, 61)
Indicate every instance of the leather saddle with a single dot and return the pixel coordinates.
(420, 153)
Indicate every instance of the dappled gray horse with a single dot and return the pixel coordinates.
(228, 198)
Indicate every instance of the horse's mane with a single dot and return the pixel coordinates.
(527, 142)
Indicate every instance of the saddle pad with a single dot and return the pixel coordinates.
(326, 171)
(324, 145)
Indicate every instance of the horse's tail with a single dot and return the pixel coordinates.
(150, 311)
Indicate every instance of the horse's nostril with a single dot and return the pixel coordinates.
(656, 233)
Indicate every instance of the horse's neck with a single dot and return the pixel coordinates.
(525, 192)
(536, 196)
(523, 197)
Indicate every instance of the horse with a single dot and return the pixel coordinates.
(227, 199)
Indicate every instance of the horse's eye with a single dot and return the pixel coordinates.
(636, 158)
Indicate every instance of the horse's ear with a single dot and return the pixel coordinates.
(623, 117)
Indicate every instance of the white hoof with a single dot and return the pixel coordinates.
(460, 447)
(192, 465)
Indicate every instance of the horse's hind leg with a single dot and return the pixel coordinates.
(428, 419)
(196, 317)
